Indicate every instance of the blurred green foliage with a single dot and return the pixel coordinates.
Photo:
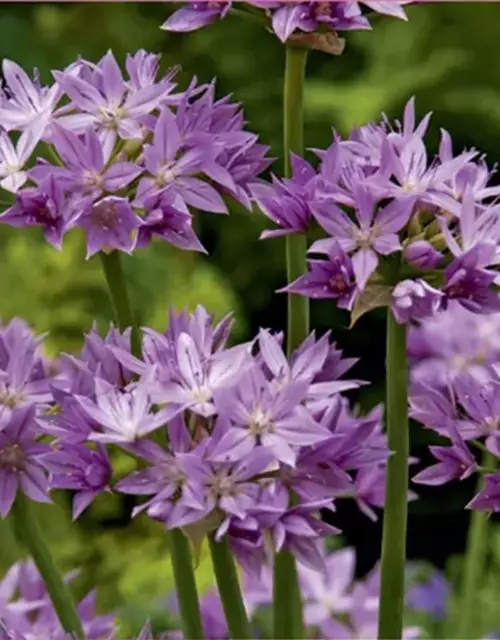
(446, 55)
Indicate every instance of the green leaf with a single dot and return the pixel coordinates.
(373, 297)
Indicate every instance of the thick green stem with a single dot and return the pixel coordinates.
(28, 531)
(229, 589)
(475, 561)
(185, 585)
(293, 138)
(287, 606)
(390, 624)
(117, 285)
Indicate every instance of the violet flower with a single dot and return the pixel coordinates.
(27, 103)
(259, 416)
(42, 206)
(109, 223)
(168, 171)
(414, 300)
(196, 15)
(488, 498)
(197, 378)
(328, 279)
(24, 376)
(20, 460)
(375, 232)
(105, 103)
(328, 594)
(74, 467)
(455, 340)
(124, 416)
(13, 159)
(455, 463)
(86, 169)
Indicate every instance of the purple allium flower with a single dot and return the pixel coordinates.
(104, 102)
(414, 300)
(75, 467)
(455, 463)
(298, 529)
(197, 378)
(315, 362)
(26, 104)
(478, 228)
(488, 499)
(328, 279)
(20, 465)
(168, 171)
(468, 282)
(124, 416)
(164, 479)
(110, 223)
(230, 488)
(328, 594)
(167, 219)
(24, 375)
(261, 416)
(87, 167)
(42, 206)
(13, 159)
(406, 170)
(286, 202)
(455, 340)
(375, 232)
(422, 255)
(430, 596)
(196, 15)
(97, 359)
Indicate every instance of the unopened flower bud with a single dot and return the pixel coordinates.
(422, 255)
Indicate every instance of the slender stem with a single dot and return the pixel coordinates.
(287, 606)
(185, 585)
(31, 535)
(229, 589)
(475, 560)
(287, 613)
(390, 623)
(115, 278)
(296, 245)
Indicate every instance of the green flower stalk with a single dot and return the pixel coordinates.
(287, 606)
(392, 591)
(117, 286)
(229, 589)
(185, 585)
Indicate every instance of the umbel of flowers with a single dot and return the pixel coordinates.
(128, 159)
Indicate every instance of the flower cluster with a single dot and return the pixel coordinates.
(127, 158)
(456, 393)
(239, 441)
(26, 612)
(403, 231)
(288, 18)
